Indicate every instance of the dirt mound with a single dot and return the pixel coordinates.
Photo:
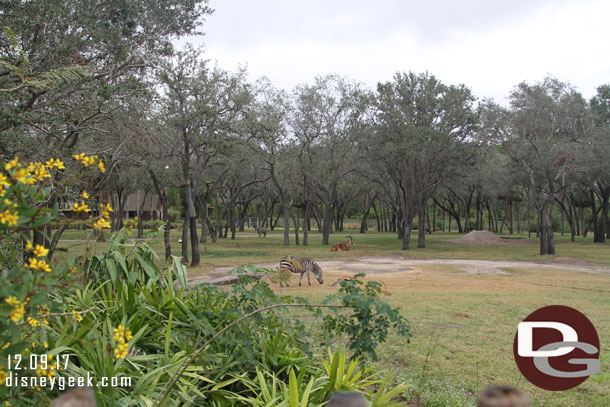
(479, 238)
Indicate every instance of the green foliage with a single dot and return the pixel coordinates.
(370, 319)
(344, 375)
(25, 77)
(128, 261)
(314, 387)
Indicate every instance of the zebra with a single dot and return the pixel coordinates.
(301, 265)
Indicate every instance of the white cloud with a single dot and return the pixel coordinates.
(487, 49)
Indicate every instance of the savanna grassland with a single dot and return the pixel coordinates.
(463, 321)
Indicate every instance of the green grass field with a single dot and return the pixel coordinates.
(463, 324)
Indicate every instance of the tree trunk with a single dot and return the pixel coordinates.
(363, 222)
(232, 223)
(295, 221)
(597, 235)
(140, 209)
(421, 228)
(185, 242)
(406, 236)
(191, 216)
(328, 220)
(306, 225)
(377, 217)
(603, 218)
(162, 194)
(547, 242)
(203, 209)
(286, 210)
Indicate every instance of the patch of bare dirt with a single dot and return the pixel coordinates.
(399, 266)
(480, 238)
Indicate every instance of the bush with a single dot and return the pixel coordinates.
(125, 314)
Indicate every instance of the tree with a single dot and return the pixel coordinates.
(596, 154)
(201, 105)
(329, 117)
(268, 133)
(74, 57)
(541, 133)
(421, 134)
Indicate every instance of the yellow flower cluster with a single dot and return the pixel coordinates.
(122, 335)
(105, 216)
(87, 160)
(3, 184)
(49, 371)
(32, 172)
(79, 317)
(14, 163)
(83, 207)
(55, 163)
(43, 312)
(38, 171)
(9, 217)
(3, 376)
(29, 174)
(33, 322)
(38, 251)
(39, 264)
(18, 308)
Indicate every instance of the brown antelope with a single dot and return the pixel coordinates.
(343, 246)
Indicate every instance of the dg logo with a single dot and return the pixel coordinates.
(556, 348)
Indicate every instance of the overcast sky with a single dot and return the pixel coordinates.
(490, 46)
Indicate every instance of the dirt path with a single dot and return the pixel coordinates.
(380, 265)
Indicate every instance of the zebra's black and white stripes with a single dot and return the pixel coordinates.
(301, 265)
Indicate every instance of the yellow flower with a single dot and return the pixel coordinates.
(17, 313)
(12, 301)
(106, 208)
(122, 335)
(121, 351)
(83, 207)
(23, 175)
(28, 246)
(86, 160)
(3, 376)
(4, 180)
(49, 371)
(10, 203)
(101, 224)
(40, 172)
(40, 251)
(79, 317)
(101, 166)
(2, 191)
(45, 344)
(55, 163)
(36, 264)
(33, 323)
(85, 195)
(14, 163)
(9, 218)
